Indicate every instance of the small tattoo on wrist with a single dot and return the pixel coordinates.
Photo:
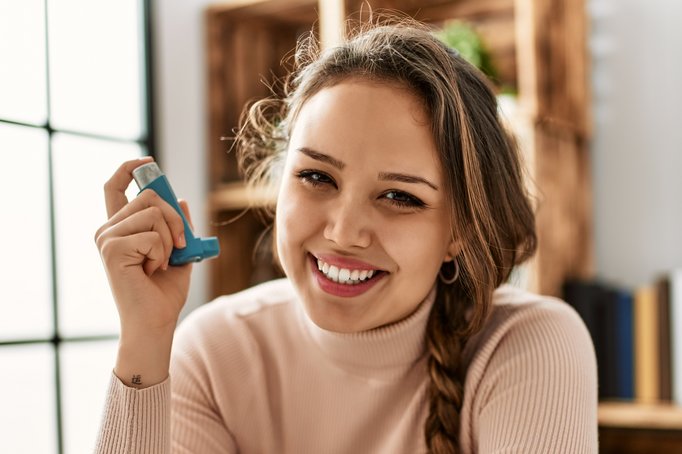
(137, 379)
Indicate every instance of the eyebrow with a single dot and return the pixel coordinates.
(404, 178)
(384, 176)
(322, 157)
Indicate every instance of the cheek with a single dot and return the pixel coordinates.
(284, 225)
(293, 221)
(417, 247)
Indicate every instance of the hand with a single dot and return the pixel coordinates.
(135, 245)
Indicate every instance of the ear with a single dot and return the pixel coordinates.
(453, 250)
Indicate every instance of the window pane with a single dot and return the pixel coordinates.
(22, 53)
(81, 166)
(27, 393)
(95, 69)
(26, 277)
(85, 372)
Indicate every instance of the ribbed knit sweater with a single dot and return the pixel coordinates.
(251, 373)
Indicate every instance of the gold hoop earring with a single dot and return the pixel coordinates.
(449, 280)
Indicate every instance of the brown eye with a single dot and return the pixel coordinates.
(403, 199)
(315, 178)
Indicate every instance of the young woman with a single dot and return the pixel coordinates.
(401, 212)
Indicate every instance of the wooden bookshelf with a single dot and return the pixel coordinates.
(628, 415)
(237, 196)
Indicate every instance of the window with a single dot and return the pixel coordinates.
(75, 101)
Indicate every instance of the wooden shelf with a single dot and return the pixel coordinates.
(628, 415)
(238, 196)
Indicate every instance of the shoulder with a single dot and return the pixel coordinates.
(261, 301)
(531, 380)
(537, 336)
(234, 328)
(518, 313)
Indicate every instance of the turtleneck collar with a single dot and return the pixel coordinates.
(383, 353)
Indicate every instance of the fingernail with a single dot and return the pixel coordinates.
(181, 240)
(164, 266)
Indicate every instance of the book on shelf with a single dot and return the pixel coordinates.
(647, 328)
(664, 357)
(621, 303)
(675, 307)
(638, 349)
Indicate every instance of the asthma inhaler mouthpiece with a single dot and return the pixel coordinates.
(150, 176)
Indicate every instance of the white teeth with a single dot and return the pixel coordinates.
(344, 275)
(333, 273)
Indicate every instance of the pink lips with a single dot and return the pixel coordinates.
(343, 290)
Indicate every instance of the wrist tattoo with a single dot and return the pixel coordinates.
(137, 379)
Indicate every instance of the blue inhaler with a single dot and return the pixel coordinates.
(149, 176)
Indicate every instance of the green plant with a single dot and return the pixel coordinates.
(462, 37)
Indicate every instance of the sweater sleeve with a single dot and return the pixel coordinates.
(135, 420)
(539, 390)
(139, 421)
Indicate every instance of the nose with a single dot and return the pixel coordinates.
(348, 224)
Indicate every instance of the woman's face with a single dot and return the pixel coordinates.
(362, 198)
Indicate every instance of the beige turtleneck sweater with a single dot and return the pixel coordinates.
(251, 373)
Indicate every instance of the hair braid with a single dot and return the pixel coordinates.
(445, 342)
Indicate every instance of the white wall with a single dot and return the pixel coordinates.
(637, 147)
(178, 42)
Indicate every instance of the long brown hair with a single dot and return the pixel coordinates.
(490, 210)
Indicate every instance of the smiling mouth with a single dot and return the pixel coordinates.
(346, 276)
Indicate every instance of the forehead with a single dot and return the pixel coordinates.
(376, 100)
(367, 120)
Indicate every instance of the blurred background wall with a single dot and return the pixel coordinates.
(637, 147)
(180, 79)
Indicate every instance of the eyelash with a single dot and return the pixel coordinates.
(313, 177)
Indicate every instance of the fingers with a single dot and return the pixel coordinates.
(150, 199)
(144, 248)
(115, 187)
(185, 209)
(150, 219)
(147, 213)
